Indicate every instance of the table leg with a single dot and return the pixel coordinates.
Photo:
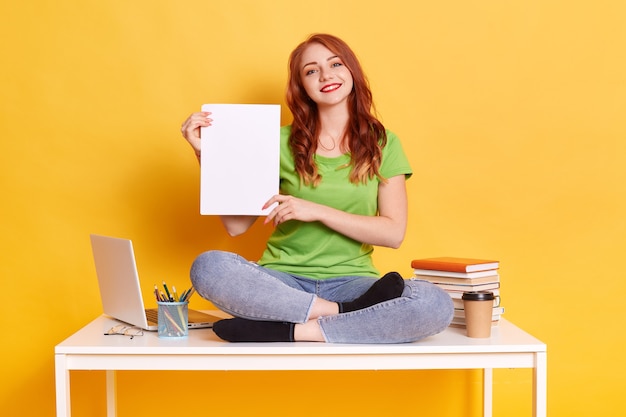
(111, 382)
(487, 392)
(540, 384)
(62, 382)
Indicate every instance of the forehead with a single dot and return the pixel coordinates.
(316, 52)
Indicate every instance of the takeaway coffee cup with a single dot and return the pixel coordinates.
(478, 307)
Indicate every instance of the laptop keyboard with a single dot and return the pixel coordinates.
(152, 315)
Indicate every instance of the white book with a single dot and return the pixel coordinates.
(477, 274)
(240, 159)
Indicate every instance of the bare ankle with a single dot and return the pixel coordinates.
(323, 307)
(308, 332)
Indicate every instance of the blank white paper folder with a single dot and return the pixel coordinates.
(240, 159)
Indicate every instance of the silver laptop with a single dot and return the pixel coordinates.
(119, 286)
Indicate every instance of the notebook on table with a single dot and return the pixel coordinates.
(120, 289)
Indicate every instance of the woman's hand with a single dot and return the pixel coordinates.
(191, 128)
(385, 229)
(291, 208)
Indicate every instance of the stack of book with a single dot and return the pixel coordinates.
(458, 275)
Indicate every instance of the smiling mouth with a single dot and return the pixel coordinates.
(329, 88)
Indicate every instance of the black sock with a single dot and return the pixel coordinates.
(244, 330)
(388, 287)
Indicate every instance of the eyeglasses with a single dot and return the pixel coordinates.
(123, 330)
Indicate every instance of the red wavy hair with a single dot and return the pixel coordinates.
(365, 134)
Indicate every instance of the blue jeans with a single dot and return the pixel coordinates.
(245, 289)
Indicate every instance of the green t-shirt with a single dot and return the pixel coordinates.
(311, 249)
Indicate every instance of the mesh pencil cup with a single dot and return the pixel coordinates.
(173, 319)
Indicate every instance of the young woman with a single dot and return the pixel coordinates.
(342, 191)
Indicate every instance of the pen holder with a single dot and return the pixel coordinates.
(173, 319)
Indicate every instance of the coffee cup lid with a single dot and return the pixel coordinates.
(478, 295)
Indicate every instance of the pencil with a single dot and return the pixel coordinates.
(190, 293)
(169, 297)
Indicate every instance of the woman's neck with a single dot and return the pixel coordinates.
(331, 141)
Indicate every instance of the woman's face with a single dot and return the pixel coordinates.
(325, 78)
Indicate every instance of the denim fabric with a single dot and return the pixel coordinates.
(245, 289)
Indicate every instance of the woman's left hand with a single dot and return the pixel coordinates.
(387, 228)
(291, 208)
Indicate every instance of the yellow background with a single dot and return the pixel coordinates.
(512, 113)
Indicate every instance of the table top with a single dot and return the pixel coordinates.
(90, 340)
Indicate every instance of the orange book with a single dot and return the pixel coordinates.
(453, 264)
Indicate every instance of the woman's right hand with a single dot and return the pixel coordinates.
(191, 128)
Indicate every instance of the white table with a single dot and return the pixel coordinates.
(90, 349)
